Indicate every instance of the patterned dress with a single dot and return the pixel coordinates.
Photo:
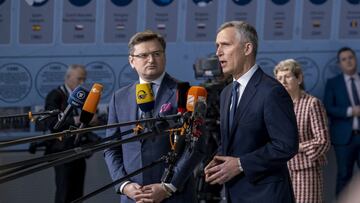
(306, 167)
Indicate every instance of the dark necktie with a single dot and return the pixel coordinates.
(234, 101)
(354, 92)
(355, 95)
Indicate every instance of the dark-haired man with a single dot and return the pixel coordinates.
(342, 104)
(147, 57)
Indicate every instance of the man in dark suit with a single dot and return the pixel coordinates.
(343, 107)
(257, 122)
(147, 57)
(69, 177)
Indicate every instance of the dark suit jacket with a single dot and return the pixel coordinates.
(57, 99)
(69, 177)
(264, 136)
(336, 101)
(132, 156)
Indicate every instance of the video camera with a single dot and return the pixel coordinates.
(207, 68)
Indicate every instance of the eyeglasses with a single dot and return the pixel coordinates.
(155, 54)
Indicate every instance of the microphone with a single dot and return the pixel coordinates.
(195, 94)
(195, 103)
(90, 106)
(76, 99)
(181, 95)
(91, 103)
(145, 100)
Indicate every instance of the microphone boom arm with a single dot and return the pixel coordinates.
(72, 132)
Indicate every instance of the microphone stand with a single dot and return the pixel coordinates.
(165, 158)
(31, 114)
(21, 165)
(170, 159)
(66, 133)
(80, 153)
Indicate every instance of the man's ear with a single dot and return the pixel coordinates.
(248, 48)
(131, 60)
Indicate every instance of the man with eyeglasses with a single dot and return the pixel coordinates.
(342, 104)
(147, 57)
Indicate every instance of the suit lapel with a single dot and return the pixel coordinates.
(226, 109)
(246, 97)
(133, 108)
(164, 94)
(227, 106)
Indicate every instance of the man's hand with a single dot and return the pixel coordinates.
(153, 193)
(301, 147)
(133, 191)
(222, 169)
(356, 110)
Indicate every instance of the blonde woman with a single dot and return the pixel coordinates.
(306, 168)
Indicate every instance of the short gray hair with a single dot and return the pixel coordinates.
(293, 66)
(72, 67)
(244, 30)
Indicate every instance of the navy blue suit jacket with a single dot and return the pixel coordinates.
(132, 156)
(336, 101)
(264, 136)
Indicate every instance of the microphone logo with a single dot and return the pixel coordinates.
(141, 95)
(80, 95)
(95, 90)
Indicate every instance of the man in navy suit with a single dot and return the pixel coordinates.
(343, 107)
(257, 121)
(147, 57)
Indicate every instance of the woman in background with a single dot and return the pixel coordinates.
(306, 168)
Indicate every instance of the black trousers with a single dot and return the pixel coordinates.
(69, 180)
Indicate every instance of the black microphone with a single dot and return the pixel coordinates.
(76, 99)
(181, 95)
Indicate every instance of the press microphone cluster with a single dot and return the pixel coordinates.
(75, 100)
(193, 99)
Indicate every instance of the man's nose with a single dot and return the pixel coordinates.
(219, 52)
(151, 57)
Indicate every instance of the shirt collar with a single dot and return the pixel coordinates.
(244, 79)
(68, 89)
(157, 81)
(348, 77)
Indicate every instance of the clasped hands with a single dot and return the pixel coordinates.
(148, 193)
(222, 169)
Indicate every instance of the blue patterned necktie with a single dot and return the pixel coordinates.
(234, 101)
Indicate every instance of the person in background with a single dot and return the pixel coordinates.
(342, 104)
(254, 147)
(306, 167)
(69, 177)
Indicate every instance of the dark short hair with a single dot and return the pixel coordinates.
(245, 30)
(343, 50)
(145, 36)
